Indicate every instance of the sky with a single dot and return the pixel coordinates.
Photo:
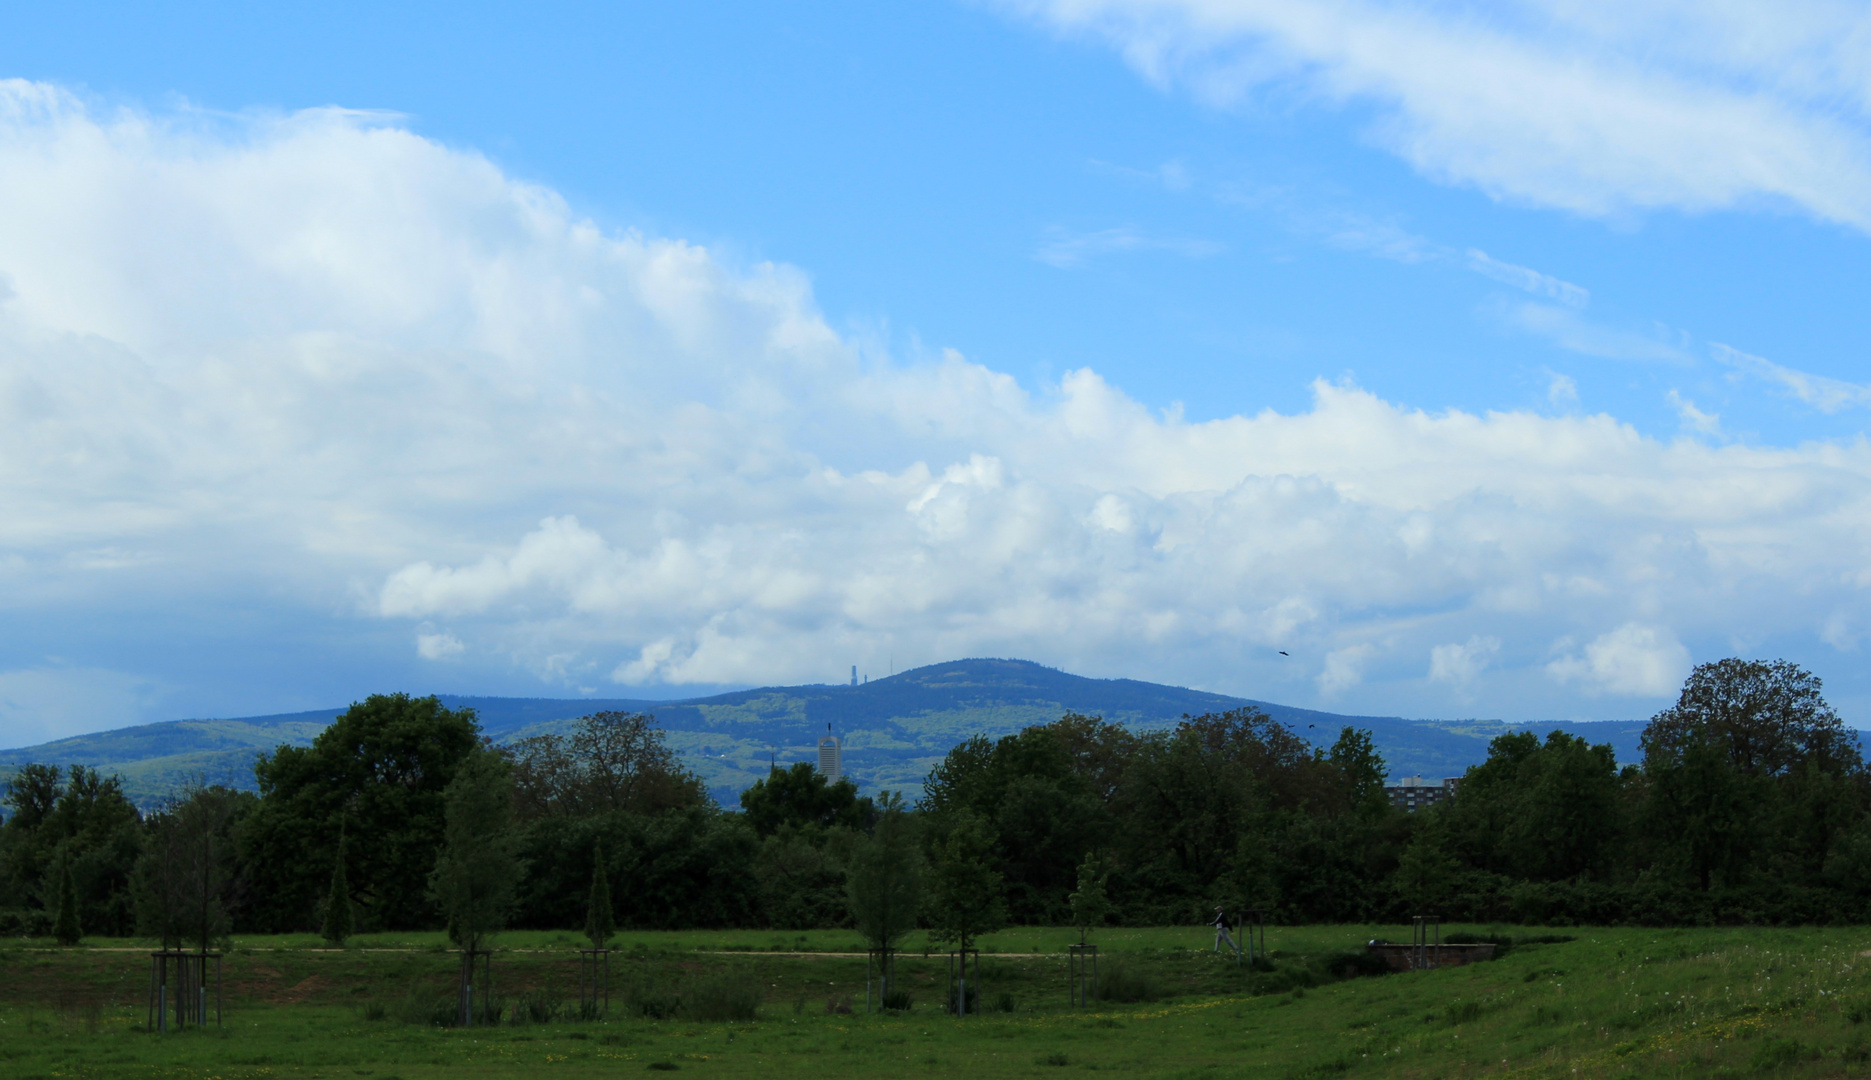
(1427, 359)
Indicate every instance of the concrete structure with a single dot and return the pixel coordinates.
(1413, 792)
(1414, 958)
(831, 758)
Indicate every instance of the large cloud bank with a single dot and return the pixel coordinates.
(1597, 106)
(320, 363)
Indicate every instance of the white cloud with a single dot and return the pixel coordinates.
(1460, 663)
(1067, 250)
(1828, 395)
(1566, 328)
(438, 646)
(1562, 390)
(1702, 423)
(321, 364)
(1633, 660)
(1520, 277)
(1596, 107)
(1344, 669)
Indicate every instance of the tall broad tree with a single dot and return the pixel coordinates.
(1750, 771)
(884, 883)
(1039, 792)
(78, 816)
(1545, 811)
(800, 796)
(1767, 718)
(611, 762)
(381, 768)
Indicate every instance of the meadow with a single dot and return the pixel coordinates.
(1609, 1002)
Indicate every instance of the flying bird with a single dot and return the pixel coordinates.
(1283, 652)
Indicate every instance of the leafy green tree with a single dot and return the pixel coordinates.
(600, 916)
(82, 818)
(1764, 718)
(966, 900)
(1540, 811)
(1252, 881)
(1034, 791)
(189, 867)
(800, 796)
(611, 762)
(1090, 906)
(477, 870)
(381, 769)
(801, 877)
(966, 896)
(337, 923)
(687, 868)
(1750, 770)
(1428, 876)
(1193, 792)
(885, 886)
(1704, 814)
(65, 927)
(1361, 772)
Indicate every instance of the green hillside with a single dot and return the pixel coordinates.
(893, 729)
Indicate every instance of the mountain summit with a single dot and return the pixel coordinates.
(893, 729)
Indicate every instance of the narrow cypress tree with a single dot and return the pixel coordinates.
(65, 928)
(599, 921)
(337, 923)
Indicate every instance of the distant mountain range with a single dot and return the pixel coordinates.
(893, 729)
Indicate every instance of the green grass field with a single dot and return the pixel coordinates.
(1609, 1003)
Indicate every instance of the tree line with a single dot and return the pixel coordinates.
(1751, 804)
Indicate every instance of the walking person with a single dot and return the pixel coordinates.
(1221, 932)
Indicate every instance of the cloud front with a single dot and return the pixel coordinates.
(318, 363)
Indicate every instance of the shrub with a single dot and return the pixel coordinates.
(721, 998)
(1121, 983)
(897, 1001)
(25, 922)
(648, 999)
(537, 1007)
(422, 1007)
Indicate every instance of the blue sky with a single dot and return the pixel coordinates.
(1494, 363)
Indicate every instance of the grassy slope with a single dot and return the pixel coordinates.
(1612, 1003)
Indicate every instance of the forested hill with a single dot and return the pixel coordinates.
(893, 729)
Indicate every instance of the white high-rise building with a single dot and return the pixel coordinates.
(831, 758)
